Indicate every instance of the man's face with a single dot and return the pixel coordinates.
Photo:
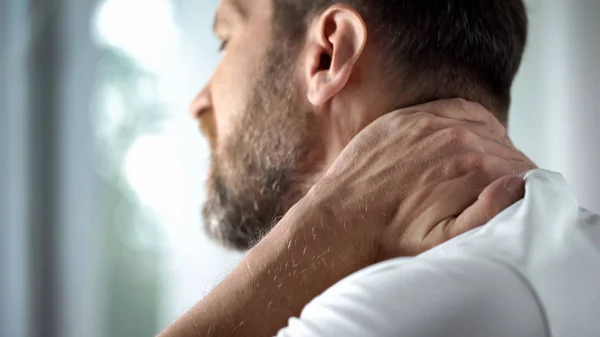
(260, 130)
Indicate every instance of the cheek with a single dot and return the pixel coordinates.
(231, 89)
(228, 99)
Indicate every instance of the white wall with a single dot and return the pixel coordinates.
(554, 117)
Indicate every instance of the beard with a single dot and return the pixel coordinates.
(258, 174)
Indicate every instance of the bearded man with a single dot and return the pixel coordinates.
(337, 150)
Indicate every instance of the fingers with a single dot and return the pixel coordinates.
(451, 134)
(419, 120)
(442, 155)
(444, 203)
(457, 109)
(488, 167)
(468, 137)
(495, 198)
(453, 206)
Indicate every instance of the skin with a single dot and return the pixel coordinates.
(376, 182)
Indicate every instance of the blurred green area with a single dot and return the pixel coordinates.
(131, 269)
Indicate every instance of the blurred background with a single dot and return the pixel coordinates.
(102, 168)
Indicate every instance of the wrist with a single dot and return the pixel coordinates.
(324, 221)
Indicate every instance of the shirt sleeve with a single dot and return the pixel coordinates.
(449, 296)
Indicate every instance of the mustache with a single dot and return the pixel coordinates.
(208, 127)
(204, 111)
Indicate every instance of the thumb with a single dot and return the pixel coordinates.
(495, 198)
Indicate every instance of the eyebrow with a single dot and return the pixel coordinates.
(233, 5)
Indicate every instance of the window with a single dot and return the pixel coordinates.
(152, 163)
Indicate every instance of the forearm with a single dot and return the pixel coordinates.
(301, 257)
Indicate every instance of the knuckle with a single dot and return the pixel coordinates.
(491, 119)
(461, 103)
(396, 121)
(389, 117)
(473, 162)
(477, 162)
(433, 172)
(454, 136)
(425, 121)
(475, 107)
(419, 125)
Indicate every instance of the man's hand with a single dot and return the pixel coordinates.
(417, 176)
(412, 179)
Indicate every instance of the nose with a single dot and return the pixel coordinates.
(201, 103)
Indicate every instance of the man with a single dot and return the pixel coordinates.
(313, 170)
(299, 79)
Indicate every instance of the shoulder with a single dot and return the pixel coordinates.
(456, 295)
(487, 282)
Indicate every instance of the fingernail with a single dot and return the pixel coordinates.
(515, 185)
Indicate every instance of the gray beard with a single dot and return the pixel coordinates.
(274, 140)
(241, 221)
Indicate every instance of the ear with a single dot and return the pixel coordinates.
(336, 40)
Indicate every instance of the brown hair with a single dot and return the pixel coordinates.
(440, 49)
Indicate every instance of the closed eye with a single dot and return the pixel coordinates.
(223, 45)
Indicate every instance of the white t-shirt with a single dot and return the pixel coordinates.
(534, 270)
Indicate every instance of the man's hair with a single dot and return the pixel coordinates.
(434, 48)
